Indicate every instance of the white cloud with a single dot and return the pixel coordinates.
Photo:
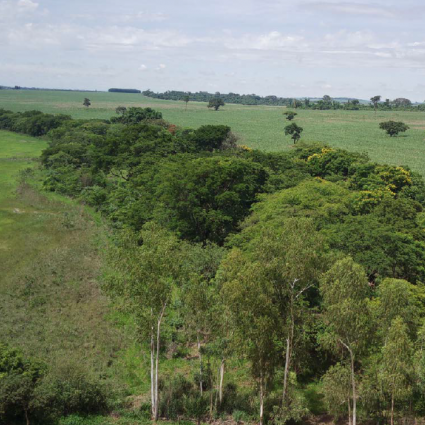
(27, 5)
(144, 17)
(143, 67)
(349, 8)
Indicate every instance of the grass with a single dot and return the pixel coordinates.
(257, 126)
(51, 304)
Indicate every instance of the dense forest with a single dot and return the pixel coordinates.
(305, 268)
(326, 103)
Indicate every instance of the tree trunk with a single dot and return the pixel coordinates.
(200, 364)
(349, 411)
(153, 404)
(353, 382)
(220, 392)
(392, 409)
(26, 416)
(285, 376)
(158, 346)
(261, 400)
(211, 404)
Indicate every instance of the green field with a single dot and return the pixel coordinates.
(257, 126)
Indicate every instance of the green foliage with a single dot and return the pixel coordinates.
(215, 103)
(294, 130)
(337, 390)
(290, 115)
(393, 128)
(135, 115)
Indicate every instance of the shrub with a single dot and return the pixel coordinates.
(393, 127)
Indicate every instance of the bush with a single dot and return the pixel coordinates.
(393, 127)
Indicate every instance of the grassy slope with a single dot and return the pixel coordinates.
(258, 126)
(51, 305)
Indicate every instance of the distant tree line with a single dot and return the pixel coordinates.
(326, 103)
(113, 90)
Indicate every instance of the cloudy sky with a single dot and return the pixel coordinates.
(282, 47)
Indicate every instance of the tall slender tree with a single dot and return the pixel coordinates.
(345, 293)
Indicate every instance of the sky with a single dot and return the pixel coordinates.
(289, 48)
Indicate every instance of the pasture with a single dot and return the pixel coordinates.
(257, 126)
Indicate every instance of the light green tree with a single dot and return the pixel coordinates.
(337, 390)
(345, 290)
(273, 274)
(397, 366)
(146, 272)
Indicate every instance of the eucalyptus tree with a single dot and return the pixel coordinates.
(345, 292)
(336, 388)
(265, 288)
(145, 274)
(397, 364)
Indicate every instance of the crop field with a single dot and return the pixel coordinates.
(257, 126)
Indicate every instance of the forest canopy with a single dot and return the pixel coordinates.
(304, 268)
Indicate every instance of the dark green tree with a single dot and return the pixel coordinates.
(215, 103)
(290, 115)
(393, 128)
(120, 110)
(294, 130)
(86, 102)
(375, 101)
(186, 99)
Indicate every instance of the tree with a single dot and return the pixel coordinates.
(86, 102)
(290, 115)
(397, 365)
(274, 274)
(19, 379)
(327, 99)
(294, 131)
(215, 103)
(337, 390)
(186, 99)
(120, 110)
(145, 277)
(375, 101)
(393, 127)
(345, 290)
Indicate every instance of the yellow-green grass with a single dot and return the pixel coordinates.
(257, 126)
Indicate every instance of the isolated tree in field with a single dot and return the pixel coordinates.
(120, 110)
(215, 103)
(290, 115)
(146, 276)
(294, 130)
(186, 99)
(396, 365)
(375, 101)
(86, 102)
(345, 289)
(393, 128)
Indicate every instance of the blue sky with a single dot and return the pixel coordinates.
(282, 47)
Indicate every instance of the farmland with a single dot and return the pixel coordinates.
(257, 126)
